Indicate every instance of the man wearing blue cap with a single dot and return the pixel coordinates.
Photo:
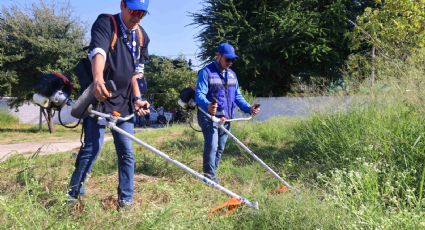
(217, 91)
(118, 50)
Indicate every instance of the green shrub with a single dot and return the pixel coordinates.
(7, 119)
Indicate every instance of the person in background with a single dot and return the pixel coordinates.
(217, 91)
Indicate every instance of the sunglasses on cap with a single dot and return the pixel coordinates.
(138, 13)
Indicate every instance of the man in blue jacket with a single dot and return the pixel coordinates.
(217, 91)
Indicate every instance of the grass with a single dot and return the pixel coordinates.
(14, 132)
(370, 161)
(354, 170)
(32, 191)
(6, 118)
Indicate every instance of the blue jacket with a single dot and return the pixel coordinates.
(220, 85)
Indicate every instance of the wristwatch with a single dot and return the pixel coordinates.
(136, 98)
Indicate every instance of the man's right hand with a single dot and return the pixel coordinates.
(212, 108)
(100, 91)
(142, 107)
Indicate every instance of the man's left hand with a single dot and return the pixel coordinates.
(142, 107)
(223, 120)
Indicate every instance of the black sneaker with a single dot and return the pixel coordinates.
(75, 205)
(71, 201)
(215, 179)
(125, 205)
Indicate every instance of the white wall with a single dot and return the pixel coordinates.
(270, 107)
(29, 113)
(300, 106)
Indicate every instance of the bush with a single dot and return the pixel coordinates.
(7, 119)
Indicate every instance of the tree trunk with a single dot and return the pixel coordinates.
(373, 67)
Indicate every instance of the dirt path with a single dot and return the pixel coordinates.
(7, 150)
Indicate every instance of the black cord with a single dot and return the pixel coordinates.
(82, 130)
(69, 127)
(191, 120)
(196, 130)
(81, 137)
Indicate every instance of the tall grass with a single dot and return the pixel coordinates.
(344, 181)
(370, 160)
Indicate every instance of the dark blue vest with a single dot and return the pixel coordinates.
(224, 91)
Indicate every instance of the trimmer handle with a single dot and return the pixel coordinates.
(214, 100)
(256, 106)
(80, 108)
(110, 86)
(145, 107)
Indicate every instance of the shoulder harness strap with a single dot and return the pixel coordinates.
(114, 35)
(140, 33)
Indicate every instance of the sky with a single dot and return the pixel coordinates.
(167, 24)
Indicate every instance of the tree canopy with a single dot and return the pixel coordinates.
(395, 30)
(42, 39)
(279, 40)
(166, 77)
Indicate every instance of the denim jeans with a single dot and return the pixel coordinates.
(93, 140)
(214, 142)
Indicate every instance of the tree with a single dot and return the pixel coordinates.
(397, 27)
(43, 39)
(166, 78)
(277, 40)
(396, 30)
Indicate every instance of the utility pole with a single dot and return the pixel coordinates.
(373, 66)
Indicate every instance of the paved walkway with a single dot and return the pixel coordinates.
(45, 148)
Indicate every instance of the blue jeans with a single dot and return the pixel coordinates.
(93, 140)
(214, 142)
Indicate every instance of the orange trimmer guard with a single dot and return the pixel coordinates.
(227, 208)
(281, 189)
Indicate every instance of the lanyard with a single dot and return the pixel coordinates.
(132, 47)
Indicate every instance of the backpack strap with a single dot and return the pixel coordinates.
(114, 36)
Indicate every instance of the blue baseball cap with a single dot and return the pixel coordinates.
(227, 50)
(137, 4)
